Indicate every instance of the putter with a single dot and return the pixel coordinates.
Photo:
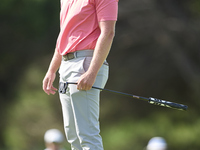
(150, 100)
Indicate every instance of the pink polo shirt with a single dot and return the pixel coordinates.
(79, 28)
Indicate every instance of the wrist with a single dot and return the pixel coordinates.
(51, 71)
(92, 72)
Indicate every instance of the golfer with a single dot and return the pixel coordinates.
(87, 29)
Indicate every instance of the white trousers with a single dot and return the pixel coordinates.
(81, 108)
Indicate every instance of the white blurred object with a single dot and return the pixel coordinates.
(157, 143)
(53, 136)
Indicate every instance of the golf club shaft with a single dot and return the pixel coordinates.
(150, 100)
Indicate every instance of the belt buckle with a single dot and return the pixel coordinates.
(75, 55)
(70, 56)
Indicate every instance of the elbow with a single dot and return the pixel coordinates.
(112, 33)
(107, 29)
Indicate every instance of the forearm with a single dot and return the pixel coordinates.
(51, 74)
(55, 62)
(101, 51)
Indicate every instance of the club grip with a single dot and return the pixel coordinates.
(163, 103)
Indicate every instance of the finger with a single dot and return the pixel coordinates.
(53, 88)
(45, 83)
(82, 87)
(48, 88)
(88, 88)
(49, 85)
(79, 87)
(51, 92)
(46, 91)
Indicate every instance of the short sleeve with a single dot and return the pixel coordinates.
(106, 9)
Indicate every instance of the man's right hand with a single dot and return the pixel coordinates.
(48, 83)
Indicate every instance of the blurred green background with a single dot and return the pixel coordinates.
(155, 53)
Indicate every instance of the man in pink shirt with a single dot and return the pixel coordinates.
(87, 30)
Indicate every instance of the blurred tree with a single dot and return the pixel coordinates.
(28, 32)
